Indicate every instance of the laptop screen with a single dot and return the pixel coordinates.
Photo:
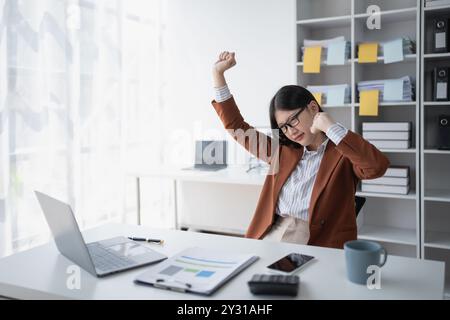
(210, 153)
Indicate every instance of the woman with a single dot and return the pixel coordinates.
(311, 197)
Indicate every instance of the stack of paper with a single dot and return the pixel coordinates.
(395, 180)
(392, 51)
(388, 135)
(408, 45)
(333, 95)
(390, 90)
(334, 51)
(436, 3)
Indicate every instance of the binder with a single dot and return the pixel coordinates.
(391, 144)
(390, 181)
(440, 34)
(436, 3)
(386, 135)
(441, 84)
(397, 171)
(196, 270)
(384, 188)
(387, 126)
(396, 181)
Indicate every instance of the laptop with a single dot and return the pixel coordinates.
(210, 155)
(98, 258)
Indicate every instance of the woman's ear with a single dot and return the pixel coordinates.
(313, 107)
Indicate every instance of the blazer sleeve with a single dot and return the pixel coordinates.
(255, 142)
(368, 162)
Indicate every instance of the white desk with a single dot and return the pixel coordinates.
(246, 185)
(40, 273)
(230, 175)
(203, 196)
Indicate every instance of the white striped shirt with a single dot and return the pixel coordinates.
(295, 195)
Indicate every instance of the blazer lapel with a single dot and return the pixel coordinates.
(288, 162)
(329, 161)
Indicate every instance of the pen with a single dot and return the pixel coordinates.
(159, 283)
(147, 240)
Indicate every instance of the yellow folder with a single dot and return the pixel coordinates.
(318, 96)
(312, 59)
(368, 103)
(368, 52)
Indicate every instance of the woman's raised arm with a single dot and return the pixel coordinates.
(255, 142)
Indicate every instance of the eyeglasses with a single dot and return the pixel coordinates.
(292, 122)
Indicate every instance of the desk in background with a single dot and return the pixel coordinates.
(199, 196)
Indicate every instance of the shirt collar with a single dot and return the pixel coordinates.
(320, 149)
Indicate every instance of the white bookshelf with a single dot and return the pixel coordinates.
(411, 195)
(389, 16)
(435, 164)
(393, 104)
(437, 239)
(430, 56)
(416, 224)
(436, 103)
(436, 9)
(399, 150)
(388, 234)
(347, 62)
(442, 195)
(322, 19)
(434, 151)
(323, 23)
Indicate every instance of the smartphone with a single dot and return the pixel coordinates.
(290, 263)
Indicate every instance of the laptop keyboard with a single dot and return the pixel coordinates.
(105, 260)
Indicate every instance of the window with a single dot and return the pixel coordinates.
(79, 83)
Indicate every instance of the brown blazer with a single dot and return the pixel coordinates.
(332, 218)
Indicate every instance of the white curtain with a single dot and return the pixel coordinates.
(79, 108)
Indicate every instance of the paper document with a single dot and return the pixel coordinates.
(336, 96)
(336, 53)
(368, 53)
(368, 103)
(332, 95)
(312, 59)
(393, 90)
(318, 97)
(393, 51)
(390, 90)
(196, 270)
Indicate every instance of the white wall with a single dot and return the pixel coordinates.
(263, 35)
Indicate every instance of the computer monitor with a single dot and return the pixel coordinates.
(210, 154)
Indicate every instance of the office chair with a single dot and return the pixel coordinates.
(359, 202)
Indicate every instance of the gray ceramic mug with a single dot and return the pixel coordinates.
(359, 255)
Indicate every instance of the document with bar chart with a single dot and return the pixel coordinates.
(196, 270)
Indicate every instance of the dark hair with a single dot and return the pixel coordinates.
(289, 98)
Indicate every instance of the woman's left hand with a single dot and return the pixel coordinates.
(322, 122)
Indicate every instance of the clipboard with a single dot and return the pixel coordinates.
(196, 270)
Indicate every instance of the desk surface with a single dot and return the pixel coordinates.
(40, 273)
(231, 174)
